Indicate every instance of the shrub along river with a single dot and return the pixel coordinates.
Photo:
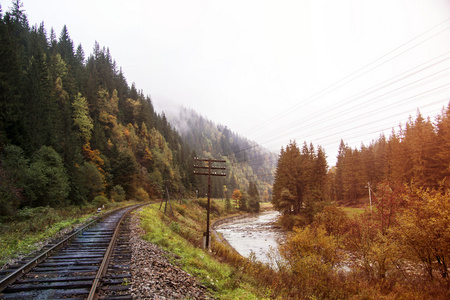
(255, 233)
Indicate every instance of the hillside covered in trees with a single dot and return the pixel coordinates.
(72, 128)
(246, 161)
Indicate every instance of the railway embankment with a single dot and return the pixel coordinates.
(153, 274)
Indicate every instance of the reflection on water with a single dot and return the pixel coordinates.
(256, 233)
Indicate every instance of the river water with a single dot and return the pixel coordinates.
(257, 234)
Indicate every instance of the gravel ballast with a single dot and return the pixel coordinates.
(154, 277)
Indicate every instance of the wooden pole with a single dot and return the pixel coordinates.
(209, 174)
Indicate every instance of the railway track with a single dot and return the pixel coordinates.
(92, 263)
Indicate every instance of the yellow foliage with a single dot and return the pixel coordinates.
(103, 117)
(309, 242)
(148, 155)
(126, 132)
(107, 104)
(310, 260)
(424, 230)
(94, 157)
(134, 105)
(142, 195)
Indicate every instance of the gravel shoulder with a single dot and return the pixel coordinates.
(154, 277)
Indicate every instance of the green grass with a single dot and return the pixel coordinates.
(18, 240)
(223, 280)
(22, 235)
(353, 211)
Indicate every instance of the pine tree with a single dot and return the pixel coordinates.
(419, 135)
(443, 147)
(81, 119)
(65, 46)
(254, 201)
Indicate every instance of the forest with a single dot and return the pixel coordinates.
(392, 243)
(74, 132)
(416, 154)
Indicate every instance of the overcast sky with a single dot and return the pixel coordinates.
(274, 71)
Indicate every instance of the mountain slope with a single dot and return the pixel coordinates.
(246, 161)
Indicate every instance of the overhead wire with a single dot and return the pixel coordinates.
(330, 109)
(412, 99)
(321, 125)
(373, 89)
(384, 128)
(312, 119)
(357, 135)
(345, 79)
(273, 174)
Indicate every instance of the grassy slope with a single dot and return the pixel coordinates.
(181, 234)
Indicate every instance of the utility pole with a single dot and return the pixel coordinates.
(166, 200)
(370, 197)
(209, 173)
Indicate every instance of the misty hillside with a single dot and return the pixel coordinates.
(73, 131)
(247, 161)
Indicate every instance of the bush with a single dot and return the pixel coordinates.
(334, 220)
(118, 193)
(34, 219)
(290, 221)
(311, 256)
(142, 195)
(92, 180)
(47, 182)
(99, 201)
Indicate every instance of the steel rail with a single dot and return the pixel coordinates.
(93, 294)
(17, 274)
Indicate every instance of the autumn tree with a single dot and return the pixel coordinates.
(81, 119)
(236, 196)
(388, 204)
(310, 257)
(442, 159)
(424, 231)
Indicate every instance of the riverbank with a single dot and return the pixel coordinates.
(255, 235)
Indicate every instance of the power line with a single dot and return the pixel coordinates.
(348, 78)
(311, 120)
(276, 134)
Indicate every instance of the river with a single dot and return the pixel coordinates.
(256, 233)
